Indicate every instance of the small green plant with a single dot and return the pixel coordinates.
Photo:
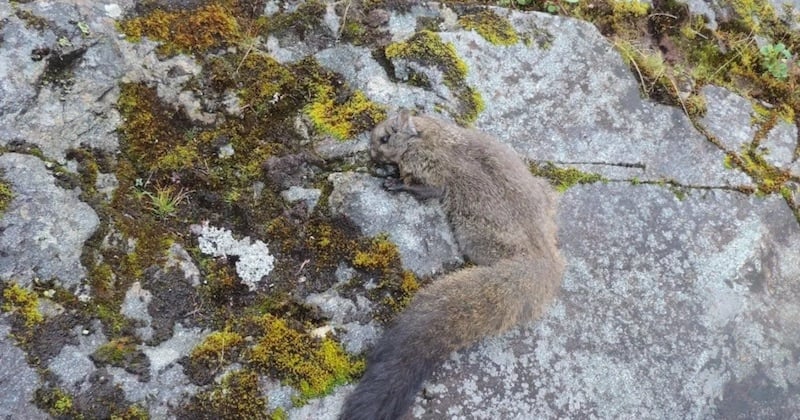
(775, 60)
(165, 201)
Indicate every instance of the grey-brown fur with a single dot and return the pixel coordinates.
(504, 222)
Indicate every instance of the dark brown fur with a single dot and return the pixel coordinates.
(504, 222)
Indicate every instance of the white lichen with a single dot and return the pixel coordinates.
(254, 260)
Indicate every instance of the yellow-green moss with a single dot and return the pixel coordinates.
(428, 49)
(6, 195)
(381, 254)
(237, 396)
(769, 179)
(24, 303)
(343, 120)
(133, 412)
(279, 414)
(109, 315)
(491, 26)
(56, 402)
(563, 178)
(313, 366)
(265, 83)
(219, 347)
(195, 31)
(634, 8)
(753, 14)
(151, 135)
(401, 294)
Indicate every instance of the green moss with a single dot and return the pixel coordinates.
(561, 178)
(56, 402)
(109, 315)
(264, 83)
(381, 254)
(307, 17)
(279, 414)
(313, 366)
(133, 412)
(346, 119)
(115, 352)
(634, 8)
(23, 302)
(237, 396)
(6, 195)
(400, 294)
(753, 14)
(768, 178)
(179, 30)
(153, 134)
(491, 26)
(428, 49)
(219, 347)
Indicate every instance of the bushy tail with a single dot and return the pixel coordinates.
(453, 312)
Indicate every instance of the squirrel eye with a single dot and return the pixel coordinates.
(385, 138)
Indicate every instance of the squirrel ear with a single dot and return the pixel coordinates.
(405, 122)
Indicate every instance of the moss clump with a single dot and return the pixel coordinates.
(56, 402)
(346, 119)
(400, 295)
(304, 19)
(133, 412)
(313, 366)
(266, 85)
(195, 31)
(236, 397)
(219, 347)
(31, 20)
(491, 26)
(116, 352)
(428, 49)
(768, 178)
(381, 254)
(6, 195)
(153, 134)
(562, 178)
(22, 302)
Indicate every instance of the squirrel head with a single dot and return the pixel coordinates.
(391, 138)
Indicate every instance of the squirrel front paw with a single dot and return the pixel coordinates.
(393, 184)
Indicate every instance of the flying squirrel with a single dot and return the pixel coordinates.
(503, 219)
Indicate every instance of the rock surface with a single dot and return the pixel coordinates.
(682, 292)
(44, 227)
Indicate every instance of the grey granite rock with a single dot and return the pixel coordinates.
(669, 309)
(161, 394)
(18, 381)
(550, 104)
(729, 118)
(44, 228)
(72, 366)
(420, 231)
(309, 196)
(60, 100)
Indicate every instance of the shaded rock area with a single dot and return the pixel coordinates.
(681, 297)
